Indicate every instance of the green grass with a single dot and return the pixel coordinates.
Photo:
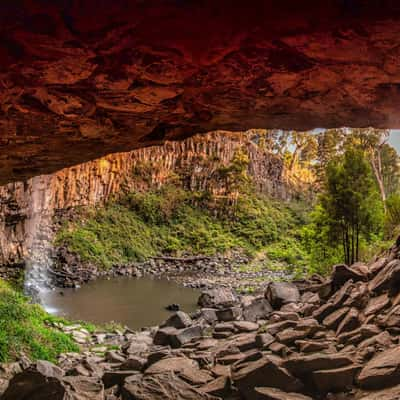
(25, 328)
(174, 221)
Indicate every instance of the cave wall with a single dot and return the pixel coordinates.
(27, 208)
(83, 78)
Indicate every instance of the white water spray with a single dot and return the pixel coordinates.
(38, 239)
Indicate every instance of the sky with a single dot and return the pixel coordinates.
(394, 139)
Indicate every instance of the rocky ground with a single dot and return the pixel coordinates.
(333, 339)
(235, 271)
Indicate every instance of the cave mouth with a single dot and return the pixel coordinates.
(130, 190)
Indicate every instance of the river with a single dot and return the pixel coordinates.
(134, 302)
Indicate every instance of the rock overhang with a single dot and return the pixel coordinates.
(80, 79)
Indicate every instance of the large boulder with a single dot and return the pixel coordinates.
(257, 309)
(161, 386)
(342, 273)
(280, 293)
(83, 388)
(265, 371)
(300, 365)
(335, 380)
(382, 371)
(42, 381)
(387, 278)
(178, 320)
(217, 298)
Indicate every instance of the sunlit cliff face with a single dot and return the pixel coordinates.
(79, 79)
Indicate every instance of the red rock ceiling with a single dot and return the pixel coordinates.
(79, 79)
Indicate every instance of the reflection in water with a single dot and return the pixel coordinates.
(135, 303)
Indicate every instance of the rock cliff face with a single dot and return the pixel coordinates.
(27, 208)
(81, 79)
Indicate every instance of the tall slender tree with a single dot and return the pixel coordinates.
(350, 201)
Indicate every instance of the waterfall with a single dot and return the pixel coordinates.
(39, 239)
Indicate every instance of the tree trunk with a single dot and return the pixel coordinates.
(376, 163)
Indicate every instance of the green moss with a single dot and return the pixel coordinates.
(26, 328)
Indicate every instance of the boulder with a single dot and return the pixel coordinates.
(342, 273)
(112, 378)
(170, 336)
(300, 365)
(382, 371)
(183, 336)
(351, 321)
(245, 326)
(333, 320)
(113, 356)
(133, 363)
(335, 380)
(178, 320)
(377, 304)
(391, 319)
(42, 381)
(387, 278)
(263, 340)
(268, 393)
(173, 364)
(312, 346)
(259, 308)
(209, 315)
(290, 335)
(218, 387)
(273, 329)
(280, 293)
(266, 370)
(229, 314)
(161, 386)
(163, 336)
(217, 298)
(386, 394)
(83, 388)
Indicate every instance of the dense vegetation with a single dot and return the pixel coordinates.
(175, 221)
(354, 177)
(25, 329)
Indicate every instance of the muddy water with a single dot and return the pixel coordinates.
(133, 302)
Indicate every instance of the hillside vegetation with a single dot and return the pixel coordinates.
(175, 221)
(25, 329)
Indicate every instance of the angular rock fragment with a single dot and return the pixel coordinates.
(178, 320)
(382, 371)
(259, 308)
(300, 365)
(162, 386)
(280, 293)
(267, 393)
(265, 371)
(335, 380)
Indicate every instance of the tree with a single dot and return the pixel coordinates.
(382, 157)
(350, 202)
(329, 145)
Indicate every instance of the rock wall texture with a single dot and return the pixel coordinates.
(81, 79)
(27, 208)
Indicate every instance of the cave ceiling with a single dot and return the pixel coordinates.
(80, 79)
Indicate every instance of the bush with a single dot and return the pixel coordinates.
(25, 328)
(173, 221)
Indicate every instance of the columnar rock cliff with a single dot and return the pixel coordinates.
(27, 208)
